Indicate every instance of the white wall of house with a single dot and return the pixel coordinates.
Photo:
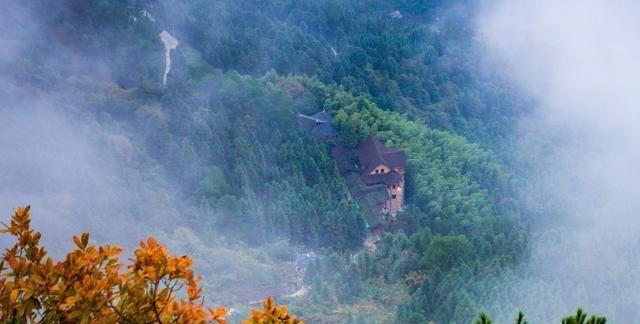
(380, 169)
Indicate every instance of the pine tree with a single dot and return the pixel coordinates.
(581, 318)
(520, 318)
(483, 319)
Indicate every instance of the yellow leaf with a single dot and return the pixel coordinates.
(269, 304)
(13, 296)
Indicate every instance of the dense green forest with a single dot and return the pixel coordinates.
(220, 142)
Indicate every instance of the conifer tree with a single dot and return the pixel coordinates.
(483, 319)
(581, 318)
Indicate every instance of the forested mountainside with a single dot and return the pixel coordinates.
(214, 164)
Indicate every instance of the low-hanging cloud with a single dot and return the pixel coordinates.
(578, 60)
(73, 145)
(53, 156)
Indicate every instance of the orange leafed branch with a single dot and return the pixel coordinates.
(272, 314)
(91, 285)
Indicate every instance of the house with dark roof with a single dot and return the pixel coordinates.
(320, 125)
(383, 165)
(378, 182)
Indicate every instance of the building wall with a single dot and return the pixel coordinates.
(381, 169)
(395, 193)
(394, 205)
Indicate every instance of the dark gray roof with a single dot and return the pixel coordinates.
(322, 116)
(323, 130)
(341, 155)
(373, 153)
(306, 123)
(318, 124)
(389, 178)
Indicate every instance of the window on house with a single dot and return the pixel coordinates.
(393, 186)
(377, 171)
(393, 196)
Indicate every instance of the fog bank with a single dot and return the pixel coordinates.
(579, 61)
(53, 154)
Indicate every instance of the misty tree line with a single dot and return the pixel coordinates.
(580, 317)
(223, 135)
(460, 225)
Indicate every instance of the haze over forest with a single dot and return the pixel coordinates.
(181, 120)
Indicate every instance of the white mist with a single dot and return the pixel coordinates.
(579, 61)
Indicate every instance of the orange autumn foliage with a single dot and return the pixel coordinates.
(92, 286)
(271, 314)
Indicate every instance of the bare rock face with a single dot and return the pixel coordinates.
(170, 43)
